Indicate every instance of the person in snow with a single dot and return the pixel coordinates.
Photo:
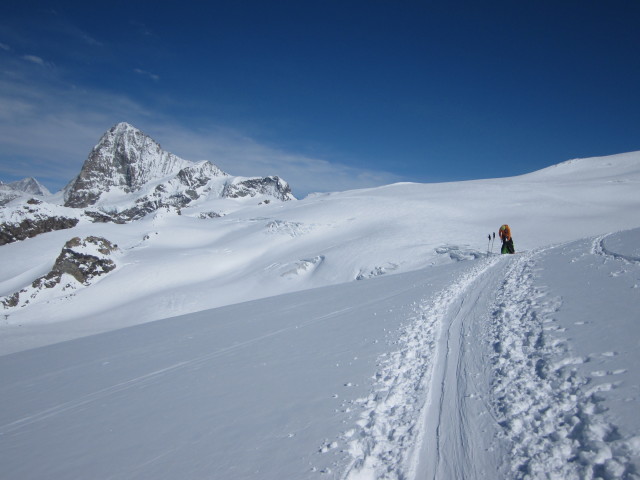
(507, 240)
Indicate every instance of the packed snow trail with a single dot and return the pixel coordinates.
(415, 423)
(483, 387)
(458, 424)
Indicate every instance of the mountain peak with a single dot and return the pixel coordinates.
(124, 159)
(123, 126)
(127, 161)
(30, 185)
(27, 185)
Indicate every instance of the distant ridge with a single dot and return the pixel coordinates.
(27, 185)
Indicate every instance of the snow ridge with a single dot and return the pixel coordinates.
(552, 420)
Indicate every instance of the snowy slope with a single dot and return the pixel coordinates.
(175, 264)
(503, 367)
(353, 335)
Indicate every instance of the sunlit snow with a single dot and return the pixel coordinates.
(365, 334)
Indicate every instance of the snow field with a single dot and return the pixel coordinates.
(444, 361)
(464, 370)
(254, 390)
(178, 264)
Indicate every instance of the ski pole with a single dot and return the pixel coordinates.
(489, 243)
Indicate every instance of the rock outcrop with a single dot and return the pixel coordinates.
(272, 186)
(31, 219)
(80, 262)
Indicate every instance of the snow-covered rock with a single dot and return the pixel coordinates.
(124, 159)
(271, 186)
(29, 185)
(80, 262)
(19, 221)
(128, 166)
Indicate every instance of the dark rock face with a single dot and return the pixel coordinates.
(83, 259)
(98, 216)
(11, 300)
(207, 215)
(75, 261)
(273, 186)
(28, 228)
(124, 158)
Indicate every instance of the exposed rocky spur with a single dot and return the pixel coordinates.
(33, 218)
(80, 262)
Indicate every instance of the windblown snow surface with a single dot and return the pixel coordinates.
(358, 335)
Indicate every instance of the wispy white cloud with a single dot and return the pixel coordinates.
(5, 47)
(34, 59)
(144, 73)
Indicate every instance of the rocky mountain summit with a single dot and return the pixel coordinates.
(127, 176)
(125, 160)
(25, 187)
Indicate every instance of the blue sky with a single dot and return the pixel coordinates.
(330, 95)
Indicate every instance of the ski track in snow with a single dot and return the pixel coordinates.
(392, 423)
(137, 381)
(599, 248)
(549, 423)
(553, 422)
